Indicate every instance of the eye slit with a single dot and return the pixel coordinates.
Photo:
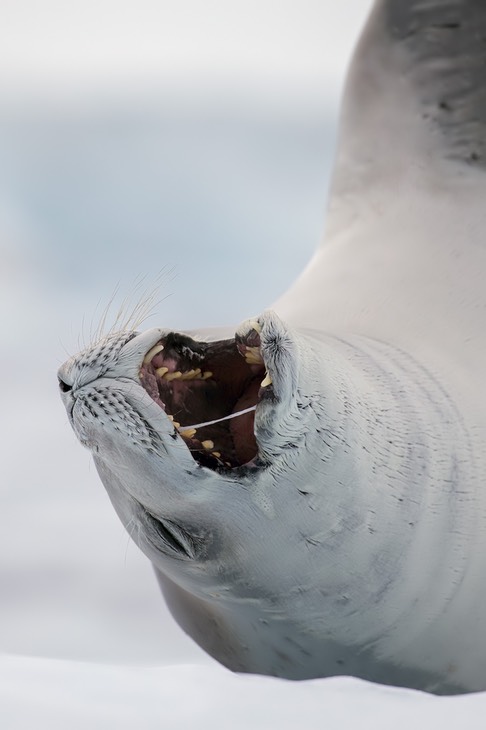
(63, 386)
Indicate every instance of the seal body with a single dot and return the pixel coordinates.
(311, 489)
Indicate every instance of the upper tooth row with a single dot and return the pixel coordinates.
(188, 375)
(163, 372)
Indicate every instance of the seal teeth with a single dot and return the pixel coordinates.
(173, 376)
(188, 375)
(162, 371)
(253, 356)
(217, 454)
(188, 433)
(267, 380)
(207, 374)
(208, 445)
(152, 353)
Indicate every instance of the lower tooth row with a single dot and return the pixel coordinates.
(207, 445)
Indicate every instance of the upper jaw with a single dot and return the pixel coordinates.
(131, 356)
(117, 355)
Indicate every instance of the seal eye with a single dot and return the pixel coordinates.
(64, 387)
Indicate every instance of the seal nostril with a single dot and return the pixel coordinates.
(64, 387)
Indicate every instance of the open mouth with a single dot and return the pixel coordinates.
(210, 390)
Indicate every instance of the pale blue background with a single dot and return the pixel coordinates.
(136, 137)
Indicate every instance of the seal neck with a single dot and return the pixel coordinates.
(396, 453)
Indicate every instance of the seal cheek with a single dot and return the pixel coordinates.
(85, 425)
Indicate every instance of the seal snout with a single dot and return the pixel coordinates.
(223, 398)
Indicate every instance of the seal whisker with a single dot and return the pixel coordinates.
(129, 527)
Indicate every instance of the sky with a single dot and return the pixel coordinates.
(52, 43)
(193, 139)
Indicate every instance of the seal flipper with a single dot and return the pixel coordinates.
(415, 88)
(405, 219)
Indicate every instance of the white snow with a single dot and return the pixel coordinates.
(50, 694)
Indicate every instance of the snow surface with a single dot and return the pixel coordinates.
(86, 638)
(42, 693)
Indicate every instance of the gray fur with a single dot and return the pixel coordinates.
(445, 44)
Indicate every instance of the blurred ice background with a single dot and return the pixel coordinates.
(191, 140)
